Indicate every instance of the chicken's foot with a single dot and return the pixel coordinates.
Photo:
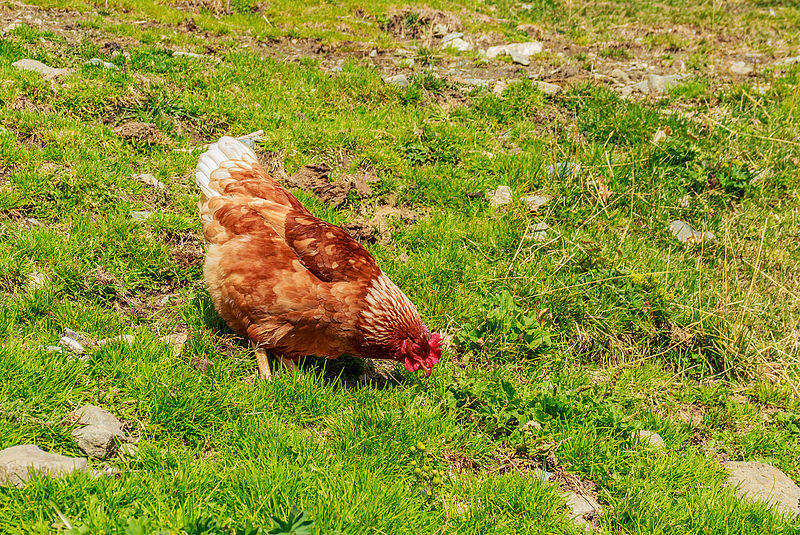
(263, 365)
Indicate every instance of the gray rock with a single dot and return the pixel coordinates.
(547, 88)
(373, 53)
(37, 280)
(100, 434)
(33, 222)
(762, 482)
(100, 63)
(686, 234)
(477, 82)
(542, 475)
(249, 140)
(49, 73)
(660, 84)
(582, 508)
(788, 61)
(620, 75)
(499, 87)
(336, 68)
(140, 215)
(742, 68)
(538, 232)
(72, 345)
(563, 170)
(398, 79)
(533, 202)
(650, 437)
(519, 52)
(452, 36)
(500, 196)
(458, 44)
(178, 54)
(406, 63)
(150, 180)
(69, 333)
(53, 349)
(18, 463)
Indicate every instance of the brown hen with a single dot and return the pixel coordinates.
(291, 283)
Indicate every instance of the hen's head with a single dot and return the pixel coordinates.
(421, 352)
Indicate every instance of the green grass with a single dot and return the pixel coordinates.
(607, 327)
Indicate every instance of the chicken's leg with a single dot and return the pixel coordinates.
(263, 365)
(289, 364)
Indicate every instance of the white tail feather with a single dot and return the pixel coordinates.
(225, 150)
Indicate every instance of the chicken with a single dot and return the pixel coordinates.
(292, 284)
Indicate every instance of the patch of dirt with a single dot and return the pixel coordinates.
(460, 463)
(375, 225)
(412, 23)
(139, 132)
(23, 103)
(691, 414)
(316, 178)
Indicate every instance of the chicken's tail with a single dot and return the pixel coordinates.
(213, 165)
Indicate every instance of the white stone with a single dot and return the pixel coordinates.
(451, 36)
(72, 345)
(178, 53)
(17, 464)
(499, 87)
(741, 68)
(458, 44)
(100, 63)
(140, 215)
(150, 180)
(563, 170)
(650, 437)
(582, 508)
(519, 52)
(500, 196)
(533, 202)
(538, 232)
(548, 88)
(47, 72)
(399, 79)
(686, 234)
(37, 280)
(660, 84)
(763, 482)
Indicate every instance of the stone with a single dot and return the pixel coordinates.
(788, 61)
(178, 54)
(742, 68)
(150, 180)
(519, 52)
(53, 349)
(100, 434)
(37, 280)
(406, 63)
(541, 475)
(439, 29)
(49, 73)
(128, 339)
(686, 234)
(72, 345)
(398, 79)
(533, 202)
(458, 44)
(177, 341)
(650, 437)
(582, 508)
(538, 232)
(250, 140)
(499, 87)
(452, 36)
(620, 75)
(500, 196)
(93, 415)
(763, 482)
(562, 170)
(336, 68)
(660, 84)
(477, 82)
(548, 88)
(75, 335)
(100, 63)
(140, 215)
(18, 463)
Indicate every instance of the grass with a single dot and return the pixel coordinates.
(607, 327)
